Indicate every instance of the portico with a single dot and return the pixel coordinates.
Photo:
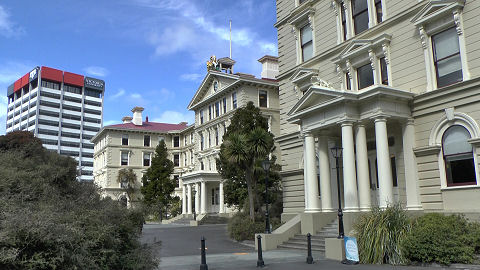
(375, 130)
(207, 191)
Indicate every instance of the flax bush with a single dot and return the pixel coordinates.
(379, 235)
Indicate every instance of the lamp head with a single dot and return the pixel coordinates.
(266, 165)
(336, 151)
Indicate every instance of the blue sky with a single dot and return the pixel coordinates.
(151, 53)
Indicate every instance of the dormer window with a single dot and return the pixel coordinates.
(215, 86)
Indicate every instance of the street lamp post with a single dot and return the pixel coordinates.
(266, 168)
(337, 153)
(194, 209)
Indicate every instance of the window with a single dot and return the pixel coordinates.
(215, 86)
(176, 141)
(217, 108)
(458, 157)
(191, 137)
(216, 136)
(125, 139)
(209, 112)
(124, 158)
(344, 21)
(446, 57)
(146, 140)
(209, 139)
(378, 10)
(365, 76)
(176, 180)
(52, 85)
(146, 159)
(161, 138)
(201, 117)
(93, 93)
(185, 159)
(201, 142)
(176, 160)
(234, 100)
(224, 105)
(306, 42)
(202, 166)
(262, 99)
(383, 71)
(191, 156)
(185, 139)
(72, 89)
(360, 15)
(347, 81)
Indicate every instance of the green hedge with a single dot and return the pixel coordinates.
(442, 239)
(241, 227)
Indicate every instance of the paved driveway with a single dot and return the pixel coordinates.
(177, 240)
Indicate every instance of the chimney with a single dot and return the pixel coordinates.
(137, 116)
(146, 119)
(183, 123)
(269, 67)
(127, 119)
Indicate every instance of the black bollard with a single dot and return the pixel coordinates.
(260, 262)
(309, 249)
(203, 265)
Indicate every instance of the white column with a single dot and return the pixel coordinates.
(363, 176)
(324, 164)
(371, 13)
(385, 179)
(203, 204)
(411, 176)
(197, 198)
(349, 174)
(184, 200)
(310, 174)
(222, 207)
(189, 205)
(348, 10)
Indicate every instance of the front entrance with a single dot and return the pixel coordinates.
(373, 173)
(215, 200)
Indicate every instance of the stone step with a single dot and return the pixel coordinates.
(314, 244)
(302, 247)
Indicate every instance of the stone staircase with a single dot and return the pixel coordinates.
(299, 241)
(184, 220)
(214, 219)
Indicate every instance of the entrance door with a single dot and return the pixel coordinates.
(215, 199)
(373, 172)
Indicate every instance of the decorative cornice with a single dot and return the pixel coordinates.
(427, 150)
(475, 142)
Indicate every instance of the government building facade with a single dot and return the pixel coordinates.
(396, 85)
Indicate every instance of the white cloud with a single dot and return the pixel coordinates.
(120, 93)
(172, 40)
(268, 48)
(191, 77)
(136, 96)
(96, 71)
(110, 122)
(7, 27)
(175, 117)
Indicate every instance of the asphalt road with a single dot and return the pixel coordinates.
(177, 240)
(178, 247)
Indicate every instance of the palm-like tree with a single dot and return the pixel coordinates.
(246, 151)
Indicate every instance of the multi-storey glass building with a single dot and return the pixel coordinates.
(62, 109)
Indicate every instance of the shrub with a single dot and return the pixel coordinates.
(441, 239)
(241, 227)
(48, 220)
(379, 234)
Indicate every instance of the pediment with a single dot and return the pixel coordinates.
(436, 8)
(206, 88)
(302, 77)
(313, 97)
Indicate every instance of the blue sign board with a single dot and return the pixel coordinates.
(351, 249)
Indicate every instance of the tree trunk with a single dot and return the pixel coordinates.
(160, 213)
(251, 199)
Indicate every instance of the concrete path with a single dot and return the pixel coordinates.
(179, 248)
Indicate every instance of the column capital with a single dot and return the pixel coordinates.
(380, 118)
(347, 123)
(409, 121)
(305, 133)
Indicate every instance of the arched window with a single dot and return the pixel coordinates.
(458, 156)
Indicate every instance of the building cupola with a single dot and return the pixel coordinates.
(269, 67)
